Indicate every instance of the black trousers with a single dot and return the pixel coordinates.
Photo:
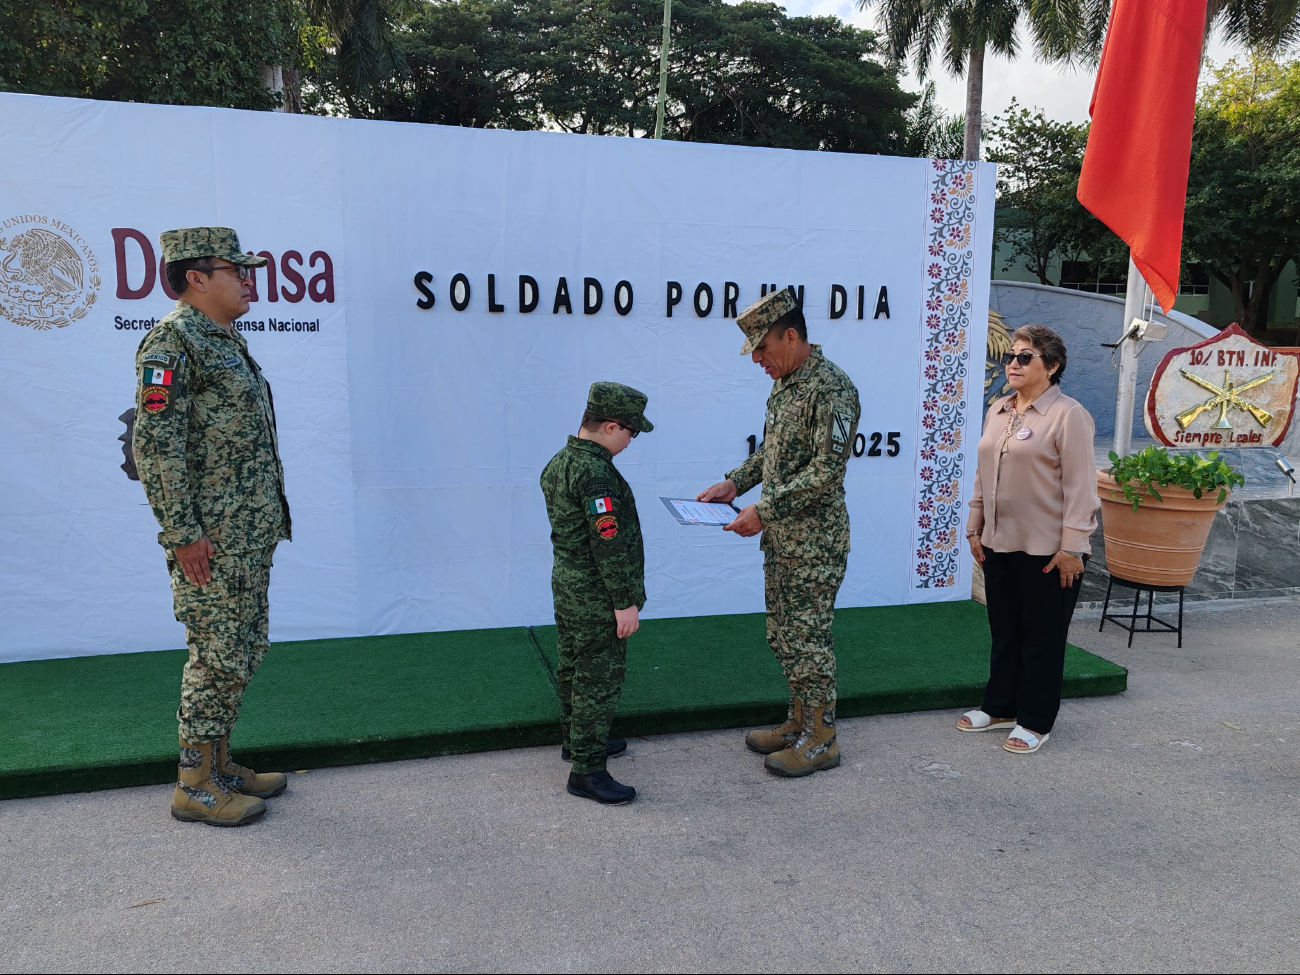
(1029, 620)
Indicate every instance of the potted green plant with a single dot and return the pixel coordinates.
(1156, 512)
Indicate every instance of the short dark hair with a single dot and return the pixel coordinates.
(174, 272)
(792, 319)
(1047, 344)
(592, 423)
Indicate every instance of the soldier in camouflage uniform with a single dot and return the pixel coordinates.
(812, 419)
(205, 445)
(598, 581)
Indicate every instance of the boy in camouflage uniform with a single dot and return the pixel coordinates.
(598, 581)
(206, 449)
(812, 419)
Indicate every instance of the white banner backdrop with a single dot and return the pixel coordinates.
(416, 408)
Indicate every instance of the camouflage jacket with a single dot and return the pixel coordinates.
(595, 532)
(204, 440)
(812, 418)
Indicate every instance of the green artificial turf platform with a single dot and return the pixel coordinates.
(84, 723)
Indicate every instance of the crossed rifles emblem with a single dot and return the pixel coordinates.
(1229, 394)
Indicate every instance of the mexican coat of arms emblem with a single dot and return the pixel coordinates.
(48, 275)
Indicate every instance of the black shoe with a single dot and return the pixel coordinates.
(600, 785)
(614, 746)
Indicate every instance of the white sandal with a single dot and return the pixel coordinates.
(1032, 741)
(980, 721)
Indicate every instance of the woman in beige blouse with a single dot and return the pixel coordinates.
(1032, 513)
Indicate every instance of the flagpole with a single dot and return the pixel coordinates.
(1134, 173)
(663, 70)
(1135, 301)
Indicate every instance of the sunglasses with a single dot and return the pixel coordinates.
(241, 272)
(1024, 358)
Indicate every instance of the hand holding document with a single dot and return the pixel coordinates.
(688, 511)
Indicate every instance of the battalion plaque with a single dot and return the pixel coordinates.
(1228, 391)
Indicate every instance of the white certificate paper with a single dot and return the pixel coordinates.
(688, 511)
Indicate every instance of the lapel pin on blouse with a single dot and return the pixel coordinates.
(1024, 433)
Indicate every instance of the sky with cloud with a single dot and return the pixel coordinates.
(1062, 93)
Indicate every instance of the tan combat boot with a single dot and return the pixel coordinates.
(202, 796)
(770, 740)
(814, 750)
(263, 785)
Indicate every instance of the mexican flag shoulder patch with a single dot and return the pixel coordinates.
(600, 506)
(156, 376)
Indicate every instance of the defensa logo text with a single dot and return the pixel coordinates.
(287, 277)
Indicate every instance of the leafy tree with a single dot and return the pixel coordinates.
(602, 77)
(473, 63)
(743, 73)
(1039, 215)
(1243, 190)
(55, 48)
(180, 52)
(747, 74)
(1062, 31)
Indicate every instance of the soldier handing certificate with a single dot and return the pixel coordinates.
(812, 418)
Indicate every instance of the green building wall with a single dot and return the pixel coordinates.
(1215, 308)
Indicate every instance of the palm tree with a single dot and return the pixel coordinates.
(1265, 26)
(366, 43)
(1063, 31)
(366, 32)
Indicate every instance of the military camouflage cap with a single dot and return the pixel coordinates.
(757, 320)
(219, 242)
(614, 401)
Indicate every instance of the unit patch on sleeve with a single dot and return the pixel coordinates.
(607, 526)
(600, 506)
(162, 358)
(156, 399)
(841, 433)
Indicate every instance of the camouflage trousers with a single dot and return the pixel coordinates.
(226, 631)
(800, 596)
(589, 681)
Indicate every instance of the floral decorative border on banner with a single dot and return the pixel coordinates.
(945, 332)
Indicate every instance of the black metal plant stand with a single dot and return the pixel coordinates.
(1131, 621)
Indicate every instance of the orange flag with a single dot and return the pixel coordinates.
(1134, 177)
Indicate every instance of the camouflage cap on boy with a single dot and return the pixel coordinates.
(219, 242)
(614, 401)
(757, 320)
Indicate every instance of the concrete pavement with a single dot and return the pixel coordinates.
(1156, 830)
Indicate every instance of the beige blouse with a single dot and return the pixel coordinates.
(1040, 495)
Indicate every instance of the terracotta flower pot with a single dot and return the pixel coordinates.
(1160, 544)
